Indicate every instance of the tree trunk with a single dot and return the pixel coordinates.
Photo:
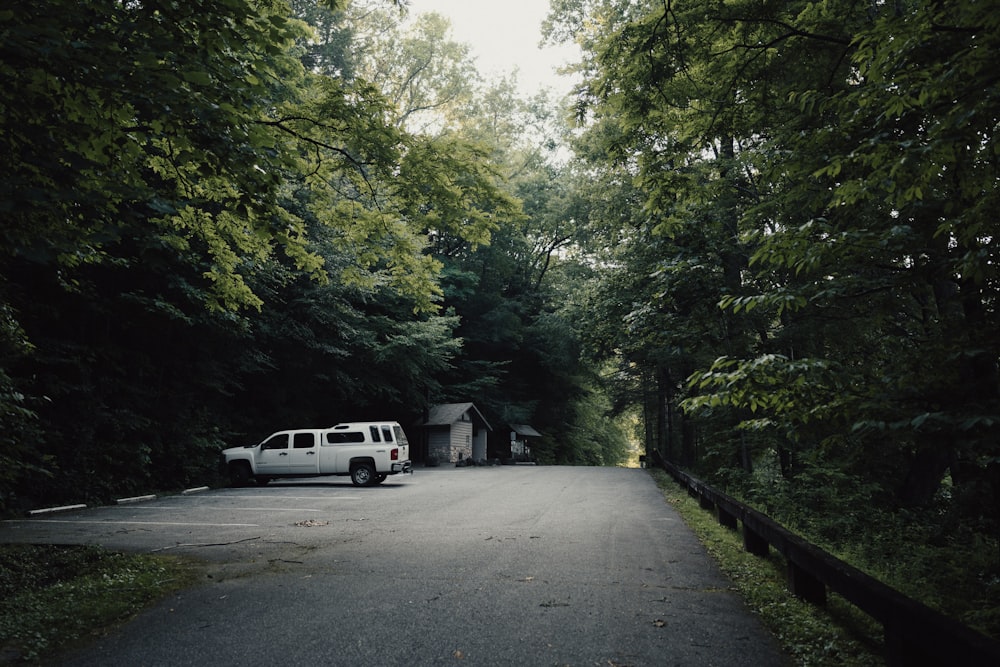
(746, 458)
(663, 397)
(926, 471)
(648, 414)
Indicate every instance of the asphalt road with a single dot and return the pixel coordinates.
(473, 566)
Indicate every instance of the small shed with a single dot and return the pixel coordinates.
(520, 449)
(455, 432)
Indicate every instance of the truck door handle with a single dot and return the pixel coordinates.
(310, 453)
(283, 454)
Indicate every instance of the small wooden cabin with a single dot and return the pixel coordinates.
(456, 432)
(520, 446)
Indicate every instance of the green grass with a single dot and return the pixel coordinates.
(834, 635)
(55, 597)
(944, 555)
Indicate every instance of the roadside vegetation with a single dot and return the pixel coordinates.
(834, 635)
(932, 555)
(53, 598)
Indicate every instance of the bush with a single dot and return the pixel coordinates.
(52, 597)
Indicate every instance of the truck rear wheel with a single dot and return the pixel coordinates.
(362, 474)
(239, 473)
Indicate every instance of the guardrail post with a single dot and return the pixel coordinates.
(754, 543)
(727, 519)
(805, 586)
(899, 649)
(705, 502)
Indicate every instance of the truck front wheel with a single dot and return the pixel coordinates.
(362, 474)
(239, 473)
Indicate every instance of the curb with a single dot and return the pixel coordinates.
(51, 510)
(136, 499)
(119, 501)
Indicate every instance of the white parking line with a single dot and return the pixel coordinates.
(227, 509)
(143, 523)
(269, 509)
(225, 496)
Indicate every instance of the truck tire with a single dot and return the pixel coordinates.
(379, 478)
(261, 480)
(362, 474)
(239, 473)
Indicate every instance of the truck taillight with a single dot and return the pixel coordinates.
(395, 454)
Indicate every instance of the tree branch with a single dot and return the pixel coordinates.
(792, 30)
(358, 164)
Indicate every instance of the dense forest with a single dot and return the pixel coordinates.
(760, 238)
(227, 218)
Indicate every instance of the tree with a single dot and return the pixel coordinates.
(133, 143)
(811, 155)
(892, 240)
(426, 76)
(327, 48)
(179, 187)
(136, 100)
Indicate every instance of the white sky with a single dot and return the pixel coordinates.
(504, 35)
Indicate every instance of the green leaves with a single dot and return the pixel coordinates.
(148, 106)
(774, 385)
(182, 197)
(814, 179)
(780, 301)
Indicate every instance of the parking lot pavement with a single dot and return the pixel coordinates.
(487, 566)
(193, 524)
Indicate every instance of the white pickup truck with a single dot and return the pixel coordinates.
(367, 451)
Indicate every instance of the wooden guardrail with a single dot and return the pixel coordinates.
(914, 633)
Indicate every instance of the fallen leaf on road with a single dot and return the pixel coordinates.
(309, 523)
(554, 603)
(660, 623)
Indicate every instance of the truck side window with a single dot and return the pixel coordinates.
(303, 441)
(338, 438)
(374, 431)
(276, 442)
(387, 434)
